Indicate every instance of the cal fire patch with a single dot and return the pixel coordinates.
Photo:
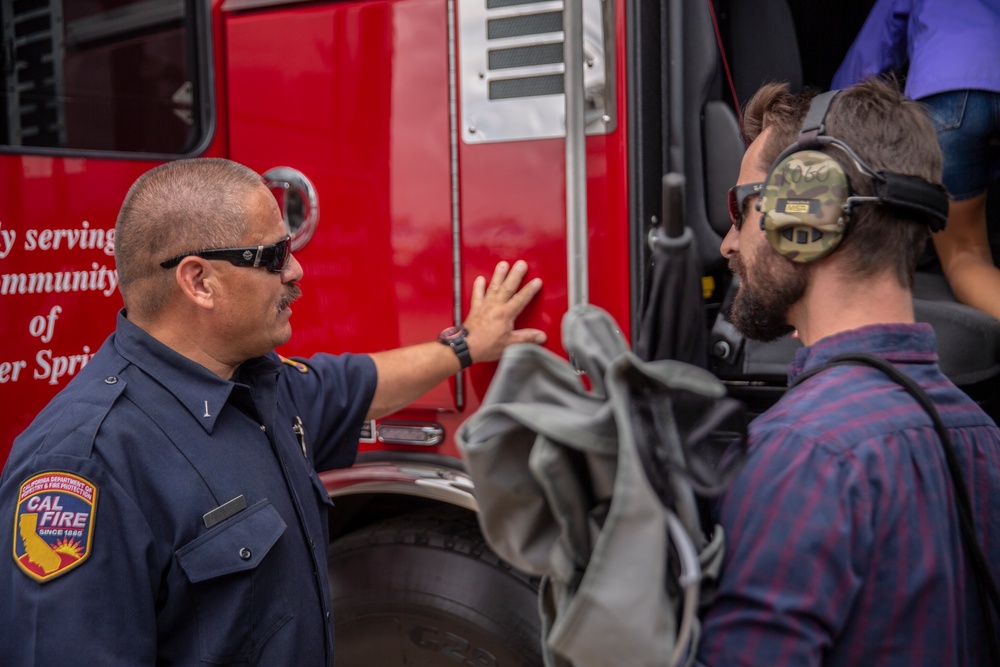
(297, 365)
(53, 524)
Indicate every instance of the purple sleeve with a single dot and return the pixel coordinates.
(881, 44)
(797, 534)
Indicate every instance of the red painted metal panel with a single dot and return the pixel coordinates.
(355, 96)
(58, 295)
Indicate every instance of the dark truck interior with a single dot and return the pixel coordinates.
(727, 49)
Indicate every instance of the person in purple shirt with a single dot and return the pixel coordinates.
(949, 53)
(843, 544)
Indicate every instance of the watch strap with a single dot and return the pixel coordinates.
(454, 337)
(461, 349)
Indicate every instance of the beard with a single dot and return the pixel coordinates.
(760, 308)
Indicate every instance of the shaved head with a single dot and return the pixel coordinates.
(178, 207)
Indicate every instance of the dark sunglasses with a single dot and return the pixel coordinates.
(738, 195)
(272, 257)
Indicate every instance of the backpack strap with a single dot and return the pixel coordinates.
(965, 517)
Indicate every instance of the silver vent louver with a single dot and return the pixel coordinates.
(511, 68)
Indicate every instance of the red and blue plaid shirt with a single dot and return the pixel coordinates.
(843, 545)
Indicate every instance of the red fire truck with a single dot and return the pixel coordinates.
(411, 144)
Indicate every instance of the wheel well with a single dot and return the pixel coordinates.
(359, 510)
(356, 505)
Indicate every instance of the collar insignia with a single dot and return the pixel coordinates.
(297, 365)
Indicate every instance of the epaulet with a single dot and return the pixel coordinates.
(76, 423)
(295, 363)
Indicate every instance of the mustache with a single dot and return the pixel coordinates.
(291, 294)
(736, 266)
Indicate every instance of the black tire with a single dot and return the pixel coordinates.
(424, 590)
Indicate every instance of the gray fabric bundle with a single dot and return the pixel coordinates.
(563, 492)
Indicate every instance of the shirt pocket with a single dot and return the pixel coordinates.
(238, 592)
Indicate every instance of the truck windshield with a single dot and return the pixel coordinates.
(106, 75)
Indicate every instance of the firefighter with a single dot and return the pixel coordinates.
(165, 506)
(847, 538)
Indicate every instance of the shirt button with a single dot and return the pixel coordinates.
(245, 553)
(327, 617)
(312, 543)
(263, 428)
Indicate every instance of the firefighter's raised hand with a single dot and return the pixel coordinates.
(494, 308)
(406, 373)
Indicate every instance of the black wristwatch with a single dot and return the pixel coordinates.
(454, 337)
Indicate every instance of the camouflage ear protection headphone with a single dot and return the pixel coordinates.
(806, 200)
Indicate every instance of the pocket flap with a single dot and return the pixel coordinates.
(237, 544)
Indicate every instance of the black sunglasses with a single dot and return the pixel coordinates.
(272, 257)
(738, 195)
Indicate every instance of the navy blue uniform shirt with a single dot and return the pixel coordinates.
(842, 539)
(162, 515)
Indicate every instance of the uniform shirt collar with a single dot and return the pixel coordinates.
(198, 389)
(902, 343)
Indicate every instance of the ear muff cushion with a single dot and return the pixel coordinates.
(802, 203)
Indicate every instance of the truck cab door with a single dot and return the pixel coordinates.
(350, 96)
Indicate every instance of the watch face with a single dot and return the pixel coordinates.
(451, 333)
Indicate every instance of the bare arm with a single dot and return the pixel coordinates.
(405, 374)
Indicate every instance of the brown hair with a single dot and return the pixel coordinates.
(178, 207)
(890, 133)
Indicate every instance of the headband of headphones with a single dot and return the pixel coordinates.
(807, 200)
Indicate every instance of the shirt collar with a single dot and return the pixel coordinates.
(198, 389)
(904, 343)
